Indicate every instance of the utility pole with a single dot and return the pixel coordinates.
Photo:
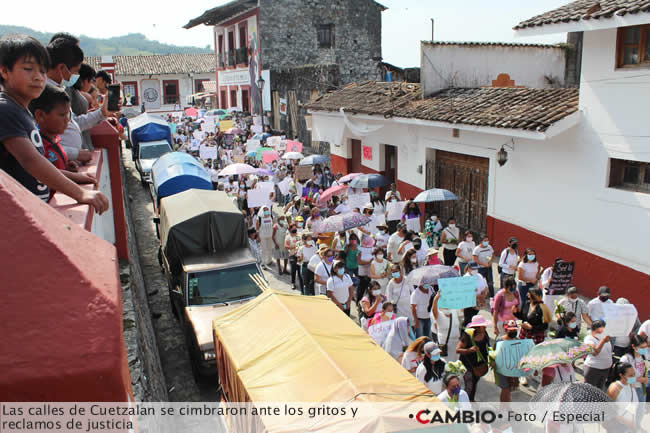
(432, 25)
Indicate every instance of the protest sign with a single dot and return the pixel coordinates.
(619, 319)
(229, 139)
(282, 145)
(379, 332)
(509, 354)
(207, 152)
(395, 210)
(358, 200)
(269, 156)
(210, 125)
(268, 186)
(252, 145)
(261, 150)
(561, 277)
(225, 125)
(194, 145)
(457, 293)
(284, 186)
(258, 198)
(294, 146)
(257, 129)
(273, 141)
(304, 172)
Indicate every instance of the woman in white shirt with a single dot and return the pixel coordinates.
(622, 391)
(638, 349)
(381, 237)
(380, 269)
(399, 294)
(432, 368)
(339, 242)
(340, 288)
(464, 251)
(323, 272)
(453, 392)
(449, 239)
(508, 260)
(446, 325)
(527, 274)
(597, 364)
(413, 354)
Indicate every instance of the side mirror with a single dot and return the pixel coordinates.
(156, 220)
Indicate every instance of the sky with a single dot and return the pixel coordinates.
(404, 24)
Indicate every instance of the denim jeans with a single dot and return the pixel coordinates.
(424, 328)
(523, 293)
(487, 274)
(462, 267)
(307, 280)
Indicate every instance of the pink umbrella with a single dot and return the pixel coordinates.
(236, 131)
(270, 156)
(349, 177)
(234, 169)
(191, 112)
(328, 193)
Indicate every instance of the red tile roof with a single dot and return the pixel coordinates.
(586, 10)
(516, 108)
(159, 64)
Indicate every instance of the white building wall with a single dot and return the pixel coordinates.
(477, 65)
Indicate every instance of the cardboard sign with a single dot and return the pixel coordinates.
(395, 210)
(207, 152)
(282, 145)
(509, 354)
(457, 293)
(379, 332)
(225, 125)
(619, 319)
(561, 277)
(358, 200)
(258, 198)
(194, 145)
(304, 172)
(261, 150)
(367, 152)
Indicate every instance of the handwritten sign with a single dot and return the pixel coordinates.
(274, 141)
(304, 172)
(258, 198)
(395, 210)
(619, 319)
(252, 145)
(294, 146)
(358, 200)
(225, 125)
(210, 125)
(561, 277)
(269, 156)
(207, 152)
(509, 354)
(367, 152)
(194, 145)
(457, 293)
(379, 332)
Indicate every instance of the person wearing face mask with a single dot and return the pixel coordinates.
(432, 368)
(507, 384)
(506, 305)
(568, 326)
(597, 364)
(392, 220)
(537, 317)
(482, 255)
(381, 236)
(343, 206)
(634, 355)
(399, 294)
(323, 271)
(572, 303)
(420, 301)
(305, 253)
(326, 179)
(264, 227)
(392, 193)
(411, 216)
(622, 342)
(254, 245)
(314, 221)
(291, 243)
(622, 390)
(352, 255)
(449, 239)
(528, 272)
(464, 251)
(371, 303)
(279, 251)
(242, 192)
(420, 246)
(432, 228)
(453, 392)
(446, 326)
(300, 224)
(379, 269)
(508, 260)
(340, 288)
(364, 259)
(409, 262)
(432, 257)
(339, 242)
(385, 315)
(394, 242)
(595, 306)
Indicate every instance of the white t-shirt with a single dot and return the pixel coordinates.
(529, 270)
(324, 271)
(434, 384)
(421, 301)
(342, 208)
(638, 364)
(645, 328)
(394, 242)
(340, 287)
(506, 260)
(483, 254)
(604, 359)
(307, 252)
(466, 249)
(595, 307)
(409, 361)
(399, 294)
(313, 262)
(381, 240)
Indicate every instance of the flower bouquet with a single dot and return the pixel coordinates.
(457, 368)
(492, 358)
(479, 355)
(558, 308)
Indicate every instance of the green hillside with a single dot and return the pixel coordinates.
(132, 44)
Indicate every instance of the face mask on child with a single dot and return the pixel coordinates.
(340, 271)
(396, 275)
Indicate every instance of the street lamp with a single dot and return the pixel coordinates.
(260, 85)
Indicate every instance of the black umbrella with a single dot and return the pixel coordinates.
(572, 398)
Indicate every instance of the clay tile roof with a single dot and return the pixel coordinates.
(369, 97)
(492, 44)
(586, 10)
(159, 64)
(516, 108)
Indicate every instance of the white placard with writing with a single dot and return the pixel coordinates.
(269, 186)
(209, 125)
(395, 210)
(274, 141)
(194, 145)
(358, 200)
(252, 145)
(258, 198)
(619, 319)
(207, 152)
(379, 332)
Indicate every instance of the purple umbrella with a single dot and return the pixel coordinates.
(431, 274)
(342, 222)
(263, 172)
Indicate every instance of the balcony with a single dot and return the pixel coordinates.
(221, 63)
(230, 57)
(242, 56)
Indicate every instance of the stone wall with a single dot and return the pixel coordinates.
(573, 59)
(289, 35)
(304, 81)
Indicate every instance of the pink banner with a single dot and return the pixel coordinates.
(269, 157)
(294, 146)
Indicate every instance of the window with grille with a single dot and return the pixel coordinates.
(326, 36)
(170, 89)
(629, 175)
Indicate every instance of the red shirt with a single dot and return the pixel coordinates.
(54, 152)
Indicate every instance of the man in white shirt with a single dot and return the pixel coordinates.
(394, 241)
(482, 255)
(575, 305)
(323, 271)
(393, 192)
(595, 306)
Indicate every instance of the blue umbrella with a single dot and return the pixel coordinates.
(368, 181)
(251, 153)
(435, 194)
(314, 159)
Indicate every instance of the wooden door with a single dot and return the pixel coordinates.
(390, 167)
(276, 110)
(467, 177)
(355, 161)
(293, 113)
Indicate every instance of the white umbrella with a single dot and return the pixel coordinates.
(293, 155)
(234, 169)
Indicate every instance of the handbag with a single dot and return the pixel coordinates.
(480, 370)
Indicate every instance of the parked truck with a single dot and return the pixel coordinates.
(151, 138)
(205, 255)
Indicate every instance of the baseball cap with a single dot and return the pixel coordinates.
(322, 247)
(368, 206)
(472, 265)
(432, 348)
(604, 290)
(510, 324)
